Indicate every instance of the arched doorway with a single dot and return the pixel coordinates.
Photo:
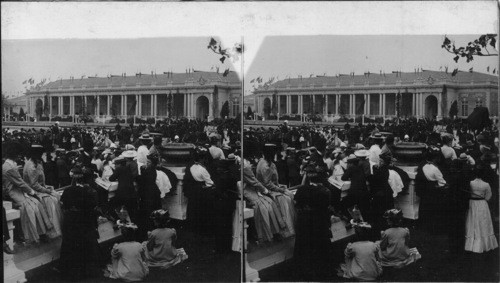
(431, 107)
(267, 107)
(202, 108)
(38, 109)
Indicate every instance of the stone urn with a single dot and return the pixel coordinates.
(177, 154)
(409, 153)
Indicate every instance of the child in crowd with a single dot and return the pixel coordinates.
(160, 249)
(128, 258)
(361, 257)
(394, 249)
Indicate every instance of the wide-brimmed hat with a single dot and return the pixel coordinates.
(352, 158)
(118, 159)
(231, 156)
(129, 154)
(146, 136)
(152, 156)
(36, 149)
(463, 157)
(342, 144)
(359, 146)
(363, 153)
(386, 156)
(113, 146)
(129, 147)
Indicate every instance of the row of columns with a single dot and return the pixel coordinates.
(189, 104)
(31, 104)
(418, 103)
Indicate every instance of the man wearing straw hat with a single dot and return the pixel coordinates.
(143, 150)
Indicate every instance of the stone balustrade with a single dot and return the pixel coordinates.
(10, 272)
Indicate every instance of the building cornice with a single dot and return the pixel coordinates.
(135, 90)
(377, 88)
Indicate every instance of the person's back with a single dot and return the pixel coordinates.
(393, 243)
(480, 188)
(357, 177)
(125, 179)
(160, 245)
(363, 264)
(128, 262)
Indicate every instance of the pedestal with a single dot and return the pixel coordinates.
(177, 203)
(10, 272)
(408, 201)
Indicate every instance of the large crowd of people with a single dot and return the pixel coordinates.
(307, 166)
(54, 177)
(294, 178)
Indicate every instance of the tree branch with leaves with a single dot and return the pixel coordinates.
(225, 53)
(478, 47)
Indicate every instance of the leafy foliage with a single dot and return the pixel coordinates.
(478, 47)
(233, 53)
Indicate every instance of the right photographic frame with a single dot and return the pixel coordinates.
(352, 143)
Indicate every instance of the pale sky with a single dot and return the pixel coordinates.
(62, 58)
(57, 36)
(282, 56)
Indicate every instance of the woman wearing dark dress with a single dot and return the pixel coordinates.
(358, 192)
(198, 187)
(381, 192)
(80, 255)
(225, 196)
(312, 240)
(149, 196)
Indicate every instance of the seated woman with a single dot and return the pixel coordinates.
(394, 249)
(160, 247)
(267, 217)
(361, 257)
(34, 220)
(267, 174)
(34, 176)
(128, 259)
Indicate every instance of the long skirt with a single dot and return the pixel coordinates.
(151, 261)
(80, 253)
(286, 206)
(54, 212)
(267, 216)
(479, 233)
(34, 219)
